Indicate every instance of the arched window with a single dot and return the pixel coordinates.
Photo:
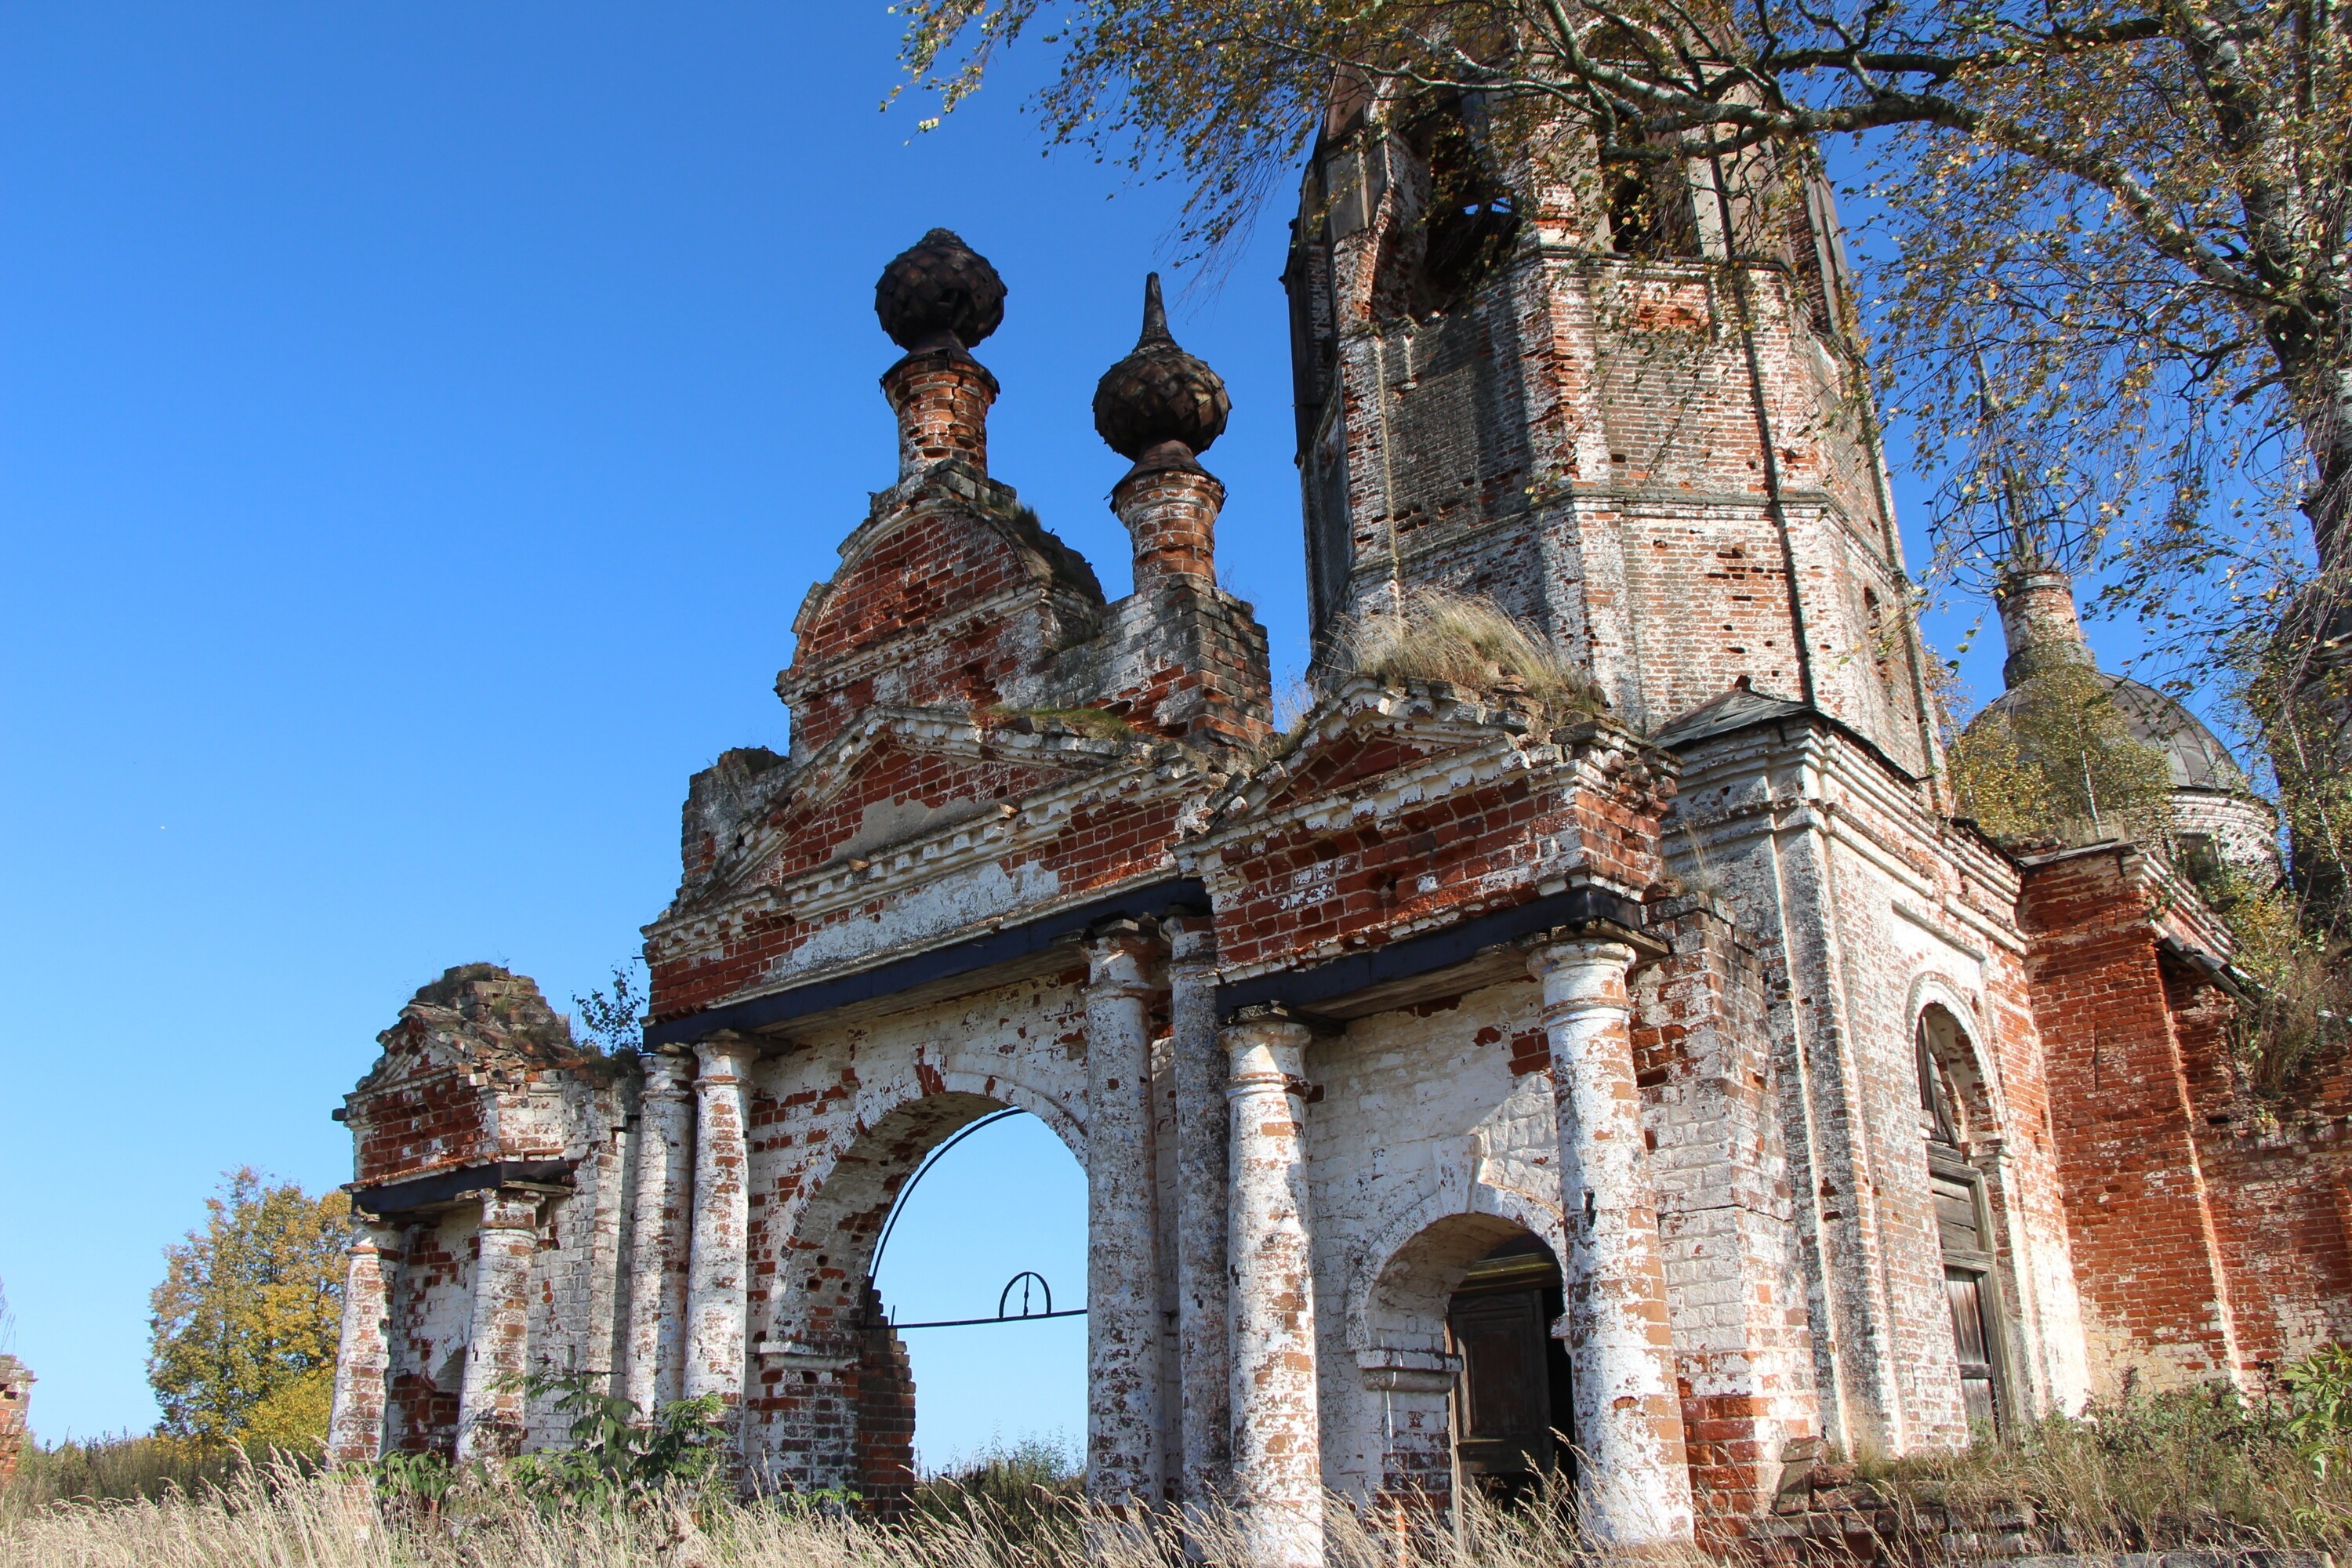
(1649, 208)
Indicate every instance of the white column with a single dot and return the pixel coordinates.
(658, 1234)
(716, 1271)
(1201, 1171)
(364, 1358)
(1277, 1481)
(497, 1344)
(1123, 1388)
(1634, 1483)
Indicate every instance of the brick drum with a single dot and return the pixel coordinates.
(1447, 1069)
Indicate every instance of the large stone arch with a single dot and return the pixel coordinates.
(831, 1396)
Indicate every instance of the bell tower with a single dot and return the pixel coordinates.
(1617, 397)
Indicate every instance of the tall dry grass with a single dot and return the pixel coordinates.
(2194, 1472)
(261, 1519)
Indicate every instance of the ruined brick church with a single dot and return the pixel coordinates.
(1467, 1086)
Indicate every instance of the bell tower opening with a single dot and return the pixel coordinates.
(1513, 1416)
(1457, 219)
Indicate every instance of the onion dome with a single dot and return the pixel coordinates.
(938, 293)
(1159, 394)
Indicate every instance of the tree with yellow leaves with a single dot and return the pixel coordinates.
(242, 1348)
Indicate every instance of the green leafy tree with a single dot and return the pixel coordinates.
(241, 1342)
(615, 1020)
(2059, 763)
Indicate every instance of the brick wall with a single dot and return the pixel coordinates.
(1397, 812)
(16, 1413)
(885, 1419)
(2154, 1303)
(2275, 1179)
(1701, 1056)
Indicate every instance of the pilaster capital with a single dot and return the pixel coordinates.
(724, 1056)
(1192, 939)
(510, 1208)
(374, 1239)
(1265, 1043)
(1587, 952)
(666, 1073)
(1121, 955)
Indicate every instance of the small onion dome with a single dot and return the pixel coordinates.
(1159, 394)
(938, 293)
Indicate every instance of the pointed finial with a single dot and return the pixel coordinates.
(1159, 394)
(1155, 314)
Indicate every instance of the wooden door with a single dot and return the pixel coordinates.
(1504, 1395)
(1968, 1287)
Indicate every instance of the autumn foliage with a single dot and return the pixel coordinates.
(246, 1319)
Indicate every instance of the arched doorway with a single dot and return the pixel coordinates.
(1513, 1415)
(1953, 1123)
(1469, 1389)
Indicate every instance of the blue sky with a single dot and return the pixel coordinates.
(419, 424)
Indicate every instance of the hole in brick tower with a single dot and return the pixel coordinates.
(1007, 1199)
(1512, 1414)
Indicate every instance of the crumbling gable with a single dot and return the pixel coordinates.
(1395, 810)
(460, 1077)
(953, 596)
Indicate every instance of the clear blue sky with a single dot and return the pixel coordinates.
(419, 424)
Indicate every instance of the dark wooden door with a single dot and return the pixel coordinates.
(1504, 1404)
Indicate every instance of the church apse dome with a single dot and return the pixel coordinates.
(2215, 808)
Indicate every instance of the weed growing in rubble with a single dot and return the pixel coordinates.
(1474, 644)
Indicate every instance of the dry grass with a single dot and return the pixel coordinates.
(1474, 644)
(2192, 1470)
(257, 1520)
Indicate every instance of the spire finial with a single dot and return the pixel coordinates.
(1155, 314)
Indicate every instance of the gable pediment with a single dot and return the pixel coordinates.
(1367, 733)
(899, 776)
